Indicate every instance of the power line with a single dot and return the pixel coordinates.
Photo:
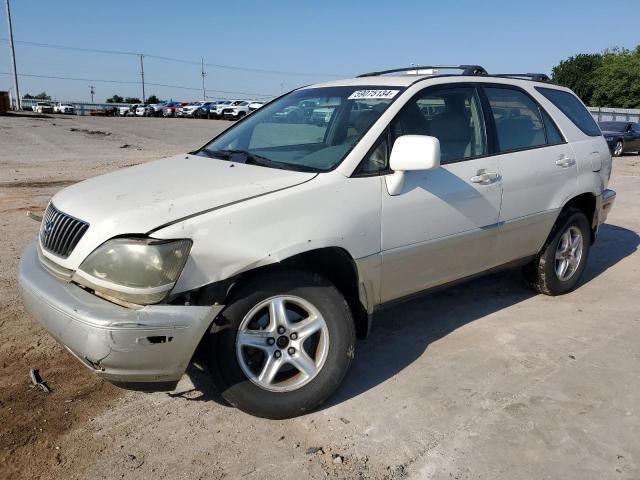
(245, 69)
(66, 47)
(129, 82)
(178, 60)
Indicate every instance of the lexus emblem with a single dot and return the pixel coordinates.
(48, 226)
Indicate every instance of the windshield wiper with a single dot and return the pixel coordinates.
(254, 159)
(250, 158)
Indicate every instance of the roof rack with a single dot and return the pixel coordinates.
(466, 70)
(536, 77)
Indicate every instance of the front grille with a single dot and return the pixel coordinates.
(59, 232)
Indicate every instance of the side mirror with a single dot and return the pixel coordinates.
(411, 152)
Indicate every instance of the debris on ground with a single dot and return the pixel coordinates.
(38, 382)
(314, 450)
(90, 132)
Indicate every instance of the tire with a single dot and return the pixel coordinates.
(236, 370)
(618, 150)
(544, 273)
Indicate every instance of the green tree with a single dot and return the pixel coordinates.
(40, 96)
(579, 73)
(132, 100)
(115, 99)
(154, 99)
(617, 82)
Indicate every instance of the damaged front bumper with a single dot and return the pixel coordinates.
(147, 348)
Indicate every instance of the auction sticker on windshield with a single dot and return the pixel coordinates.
(362, 94)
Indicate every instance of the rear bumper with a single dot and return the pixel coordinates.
(604, 203)
(150, 345)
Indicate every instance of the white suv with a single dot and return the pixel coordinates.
(61, 107)
(236, 110)
(281, 238)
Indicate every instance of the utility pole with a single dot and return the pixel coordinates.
(13, 60)
(204, 74)
(144, 97)
(92, 91)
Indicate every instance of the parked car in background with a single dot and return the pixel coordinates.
(43, 107)
(141, 110)
(155, 110)
(124, 110)
(61, 107)
(622, 137)
(236, 110)
(181, 109)
(255, 105)
(149, 110)
(104, 112)
(203, 110)
(216, 112)
(169, 110)
(193, 109)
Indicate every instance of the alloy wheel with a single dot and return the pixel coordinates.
(569, 253)
(618, 150)
(282, 343)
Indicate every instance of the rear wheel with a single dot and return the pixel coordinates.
(287, 342)
(560, 263)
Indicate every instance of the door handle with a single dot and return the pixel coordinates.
(485, 178)
(565, 162)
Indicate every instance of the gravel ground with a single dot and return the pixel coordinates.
(484, 380)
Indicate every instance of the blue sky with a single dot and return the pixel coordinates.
(318, 39)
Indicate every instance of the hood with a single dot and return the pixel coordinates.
(611, 133)
(141, 198)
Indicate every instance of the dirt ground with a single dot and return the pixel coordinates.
(484, 380)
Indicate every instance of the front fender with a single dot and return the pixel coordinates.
(332, 211)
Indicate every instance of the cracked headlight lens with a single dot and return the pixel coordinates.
(135, 270)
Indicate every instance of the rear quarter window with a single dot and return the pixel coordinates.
(573, 108)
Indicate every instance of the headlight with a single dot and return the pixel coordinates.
(136, 270)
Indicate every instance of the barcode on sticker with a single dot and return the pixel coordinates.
(382, 94)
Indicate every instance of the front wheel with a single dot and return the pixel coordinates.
(618, 149)
(286, 342)
(560, 263)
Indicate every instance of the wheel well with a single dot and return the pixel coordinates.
(333, 263)
(337, 266)
(585, 202)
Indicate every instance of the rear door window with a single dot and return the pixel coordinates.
(518, 120)
(573, 108)
(554, 136)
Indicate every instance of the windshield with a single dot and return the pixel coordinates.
(613, 126)
(312, 129)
